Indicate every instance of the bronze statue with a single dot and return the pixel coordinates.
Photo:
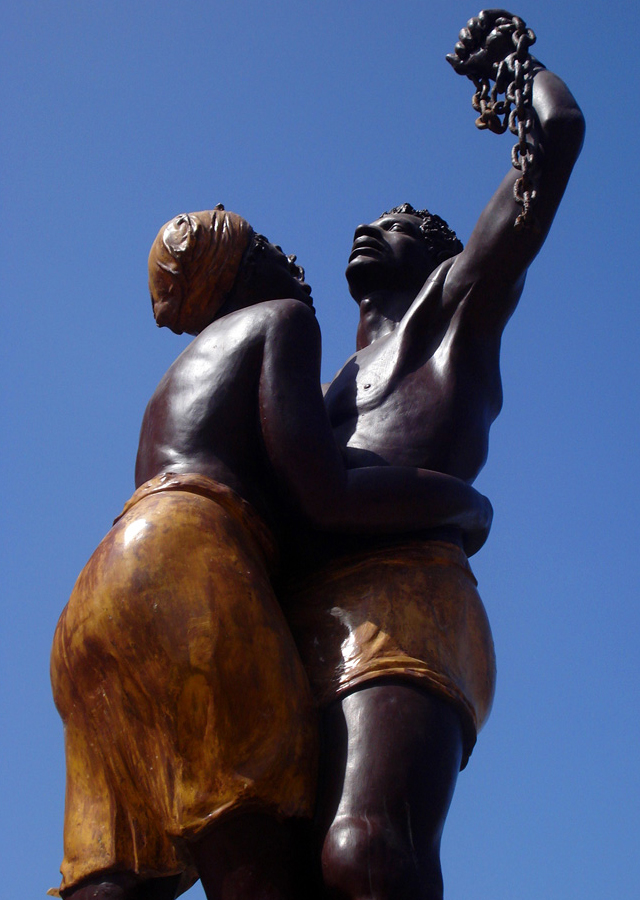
(190, 727)
(392, 632)
(191, 736)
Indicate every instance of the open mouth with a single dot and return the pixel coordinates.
(366, 247)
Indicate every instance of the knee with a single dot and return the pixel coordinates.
(370, 858)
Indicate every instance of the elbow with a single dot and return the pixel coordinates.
(560, 118)
(564, 131)
(570, 129)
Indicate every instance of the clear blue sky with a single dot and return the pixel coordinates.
(309, 119)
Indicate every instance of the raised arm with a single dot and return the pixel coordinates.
(307, 462)
(490, 271)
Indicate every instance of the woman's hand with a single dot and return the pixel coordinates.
(476, 521)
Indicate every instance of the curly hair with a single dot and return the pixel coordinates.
(440, 238)
(245, 284)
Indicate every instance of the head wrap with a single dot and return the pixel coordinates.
(193, 264)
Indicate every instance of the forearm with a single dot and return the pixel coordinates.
(306, 460)
(401, 499)
(498, 254)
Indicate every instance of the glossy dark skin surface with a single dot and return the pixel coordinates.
(440, 340)
(427, 373)
(423, 389)
(383, 800)
(243, 405)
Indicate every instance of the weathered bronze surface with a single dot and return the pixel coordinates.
(191, 732)
(363, 617)
(172, 663)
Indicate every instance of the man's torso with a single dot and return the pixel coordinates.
(418, 398)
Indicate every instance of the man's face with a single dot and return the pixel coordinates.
(390, 253)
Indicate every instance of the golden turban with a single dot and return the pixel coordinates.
(193, 265)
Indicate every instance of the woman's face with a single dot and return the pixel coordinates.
(278, 275)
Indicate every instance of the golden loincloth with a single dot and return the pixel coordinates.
(409, 611)
(180, 687)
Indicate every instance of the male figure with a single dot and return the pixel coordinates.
(422, 389)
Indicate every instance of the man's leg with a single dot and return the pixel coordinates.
(391, 758)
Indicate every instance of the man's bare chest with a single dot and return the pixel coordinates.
(369, 384)
(388, 405)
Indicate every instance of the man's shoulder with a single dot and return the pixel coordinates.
(479, 296)
(434, 286)
(429, 309)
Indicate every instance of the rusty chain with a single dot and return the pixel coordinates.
(514, 79)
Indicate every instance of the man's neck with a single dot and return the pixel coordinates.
(380, 313)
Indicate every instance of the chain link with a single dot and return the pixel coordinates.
(514, 79)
